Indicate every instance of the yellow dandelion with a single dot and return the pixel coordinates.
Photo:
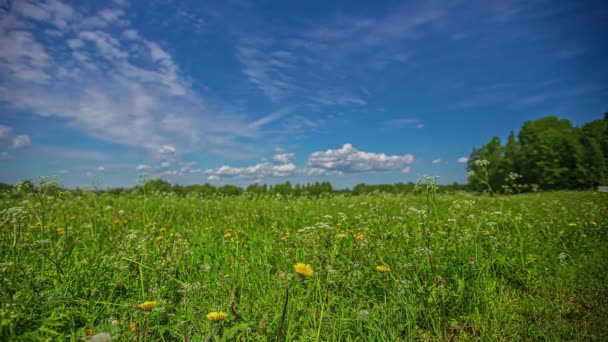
(91, 332)
(162, 230)
(360, 237)
(159, 239)
(147, 306)
(571, 224)
(227, 235)
(132, 326)
(341, 235)
(383, 268)
(303, 269)
(594, 223)
(217, 316)
(60, 231)
(486, 232)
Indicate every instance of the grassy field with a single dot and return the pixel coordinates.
(384, 267)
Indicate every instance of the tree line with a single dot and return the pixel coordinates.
(548, 154)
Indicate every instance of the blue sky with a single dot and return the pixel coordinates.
(236, 92)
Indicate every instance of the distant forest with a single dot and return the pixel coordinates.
(547, 154)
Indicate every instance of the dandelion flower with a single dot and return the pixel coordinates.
(571, 224)
(147, 306)
(303, 269)
(159, 239)
(341, 235)
(486, 232)
(60, 231)
(217, 316)
(132, 326)
(162, 230)
(383, 268)
(227, 235)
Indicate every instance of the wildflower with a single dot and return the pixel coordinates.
(132, 326)
(91, 332)
(383, 268)
(159, 239)
(60, 231)
(162, 230)
(341, 235)
(217, 316)
(363, 314)
(360, 237)
(594, 223)
(571, 224)
(147, 306)
(101, 337)
(303, 269)
(486, 232)
(227, 235)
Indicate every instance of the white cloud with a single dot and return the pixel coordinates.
(406, 169)
(213, 179)
(17, 142)
(166, 150)
(257, 171)
(6, 133)
(112, 83)
(404, 122)
(462, 160)
(348, 159)
(142, 167)
(100, 168)
(436, 161)
(283, 157)
(21, 141)
(186, 167)
(165, 165)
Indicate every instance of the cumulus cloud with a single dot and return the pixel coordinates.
(283, 158)
(17, 141)
(348, 159)
(257, 171)
(142, 167)
(21, 141)
(166, 150)
(100, 168)
(462, 160)
(436, 161)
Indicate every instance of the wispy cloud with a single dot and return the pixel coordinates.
(405, 122)
(104, 78)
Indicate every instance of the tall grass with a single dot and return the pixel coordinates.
(456, 267)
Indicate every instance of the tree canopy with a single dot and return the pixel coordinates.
(549, 153)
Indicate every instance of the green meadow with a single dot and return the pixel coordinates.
(413, 267)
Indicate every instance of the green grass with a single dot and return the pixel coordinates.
(462, 267)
